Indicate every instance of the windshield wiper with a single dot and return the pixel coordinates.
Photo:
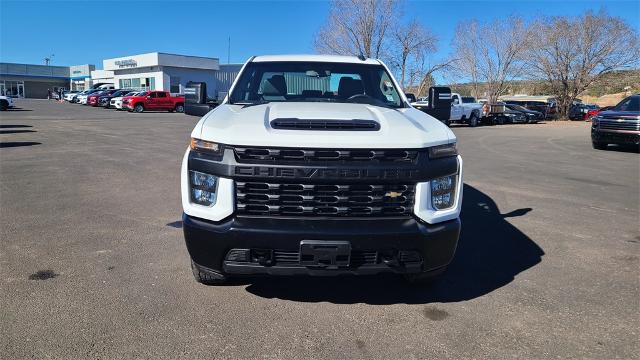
(250, 103)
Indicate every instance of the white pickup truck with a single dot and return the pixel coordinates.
(318, 165)
(465, 109)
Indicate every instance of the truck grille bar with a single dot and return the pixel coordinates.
(632, 125)
(306, 155)
(329, 200)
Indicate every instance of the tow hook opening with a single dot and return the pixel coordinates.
(263, 257)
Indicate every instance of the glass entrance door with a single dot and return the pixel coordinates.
(20, 90)
(3, 89)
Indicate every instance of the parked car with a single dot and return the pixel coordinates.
(69, 95)
(83, 97)
(154, 100)
(620, 125)
(6, 102)
(105, 99)
(116, 102)
(92, 100)
(593, 112)
(283, 179)
(547, 108)
(579, 111)
(532, 116)
(465, 109)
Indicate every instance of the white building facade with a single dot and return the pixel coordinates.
(160, 71)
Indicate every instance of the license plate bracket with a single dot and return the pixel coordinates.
(325, 254)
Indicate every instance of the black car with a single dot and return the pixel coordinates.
(532, 116)
(105, 99)
(620, 125)
(547, 109)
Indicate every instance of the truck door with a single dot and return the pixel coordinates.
(163, 101)
(151, 101)
(456, 107)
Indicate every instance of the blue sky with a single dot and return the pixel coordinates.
(80, 32)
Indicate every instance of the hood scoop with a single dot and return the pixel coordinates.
(324, 125)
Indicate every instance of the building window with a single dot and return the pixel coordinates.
(174, 82)
(12, 88)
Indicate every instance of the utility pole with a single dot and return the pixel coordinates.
(229, 51)
(47, 60)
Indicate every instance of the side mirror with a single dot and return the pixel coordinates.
(148, 97)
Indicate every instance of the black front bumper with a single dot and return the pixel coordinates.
(621, 137)
(391, 241)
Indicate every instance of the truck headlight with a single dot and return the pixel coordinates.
(441, 151)
(443, 192)
(203, 188)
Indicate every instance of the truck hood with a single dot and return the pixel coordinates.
(251, 126)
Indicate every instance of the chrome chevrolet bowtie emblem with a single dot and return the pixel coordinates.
(393, 194)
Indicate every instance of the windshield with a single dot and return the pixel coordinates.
(632, 103)
(517, 107)
(264, 82)
(468, 99)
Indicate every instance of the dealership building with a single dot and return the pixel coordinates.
(151, 71)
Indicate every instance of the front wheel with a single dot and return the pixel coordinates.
(179, 108)
(4, 105)
(473, 120)
(138, 108)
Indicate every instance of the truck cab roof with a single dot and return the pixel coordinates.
(315, 58)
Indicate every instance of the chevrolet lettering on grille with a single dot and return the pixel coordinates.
(261, 171)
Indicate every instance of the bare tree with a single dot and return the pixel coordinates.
(572, 53)
(357, 27)
(491, 53)
(409, 45)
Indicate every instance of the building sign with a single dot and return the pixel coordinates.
(128, 63)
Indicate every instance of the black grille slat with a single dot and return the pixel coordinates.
(251, 154)
(346, 200)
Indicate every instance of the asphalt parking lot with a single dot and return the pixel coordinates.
(93, 264)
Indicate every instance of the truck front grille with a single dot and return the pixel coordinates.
(281, 154)
(607, 124)
(331, 200)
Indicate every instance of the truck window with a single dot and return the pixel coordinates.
(315, 82)
(161, 94)
(468, 100)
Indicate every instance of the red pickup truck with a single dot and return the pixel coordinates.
(154, 100)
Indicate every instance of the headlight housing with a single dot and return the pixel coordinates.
(203, 188)
(206, 146)
(443, 192)
(595, 120)
(442, 151)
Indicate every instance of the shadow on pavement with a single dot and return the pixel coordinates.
(14, 126)
(16, 131)
(18, 144)
(491, 252)
(18, 109)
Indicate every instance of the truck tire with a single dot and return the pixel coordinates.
(599, 145)
(473, 120)
(206, 276)
(425, 278)
(138, 108)
(179, 108)
(4, 105)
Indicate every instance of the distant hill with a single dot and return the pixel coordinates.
(611, 87)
